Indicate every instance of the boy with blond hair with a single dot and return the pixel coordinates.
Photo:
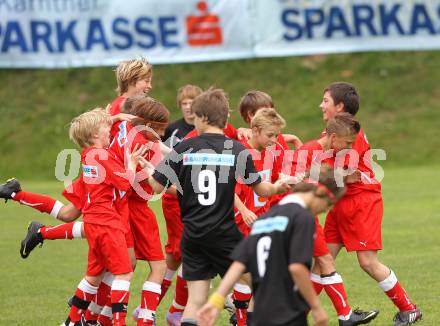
(134, 77)
(102, 175)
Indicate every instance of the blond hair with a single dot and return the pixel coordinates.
(188, 91)
(268, 117)
(83, 127)
(129, 72)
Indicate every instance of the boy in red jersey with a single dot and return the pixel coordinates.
(265, 125)
(355, 221)
(102, 176)
(146, 129)
(341, 131)
(134, 77)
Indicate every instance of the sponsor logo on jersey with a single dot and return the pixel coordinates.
(268, 225)
(208, 159)
(90, 171)
(122, 135)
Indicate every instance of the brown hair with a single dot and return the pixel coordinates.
(267, 117)
(146, 109)
(188, 91)
(86, 124)
(213, 105)
(252, 101)
(342, 92)
(327, 177)
(343, 124)
(130, 71)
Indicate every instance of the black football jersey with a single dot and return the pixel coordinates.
(205, 170)
(176, 132)
(280, 237)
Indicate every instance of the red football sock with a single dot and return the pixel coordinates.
(242, 295)
(149, 302)
(316, 282)
(180, 296)
(396, 293)
(83, 295)
(63, 231)
(105, 317)
(334, 287)
(42, 203)
(120, 295)
(102, 296)
(166, 283)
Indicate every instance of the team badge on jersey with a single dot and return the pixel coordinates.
(122, 136)
(90, 171)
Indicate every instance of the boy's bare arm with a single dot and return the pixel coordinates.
(267, 189)
(68, 213)
(301, 277)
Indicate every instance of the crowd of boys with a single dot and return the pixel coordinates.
(239, 203)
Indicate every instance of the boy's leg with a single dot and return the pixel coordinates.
(102, 297)
(388, 282)
(120, 293)
(197, 296)
(174, 314)
(84, 294)
(37, 233)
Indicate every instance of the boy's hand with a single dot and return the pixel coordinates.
(353, 178)
(292, 139)
(248, 216)
(244, 133)
(207, 315)
(319, 316)
(122, 117)
(282, 185)
(135, 156)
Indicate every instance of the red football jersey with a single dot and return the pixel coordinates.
(268, 165)
(124, 134)
(115, 106)
(75, 193)
(368, 182)
(103, 175)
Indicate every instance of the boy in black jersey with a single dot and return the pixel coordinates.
(278, 254)
(205, 170)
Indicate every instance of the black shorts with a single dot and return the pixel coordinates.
(300, 320)
(203, 259)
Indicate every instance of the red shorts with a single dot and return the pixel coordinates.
(107, 250)
(356, 222)
(320, 245)
(171, 212)
(122, 208)
(143, 224)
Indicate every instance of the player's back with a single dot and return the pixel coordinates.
(207, 168)
(282, 236)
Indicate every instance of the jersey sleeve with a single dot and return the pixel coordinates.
(302, 230)
(167, 170)
(75, 194)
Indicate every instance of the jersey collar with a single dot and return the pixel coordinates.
(293, 199)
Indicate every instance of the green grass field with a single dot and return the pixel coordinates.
(34, 291)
